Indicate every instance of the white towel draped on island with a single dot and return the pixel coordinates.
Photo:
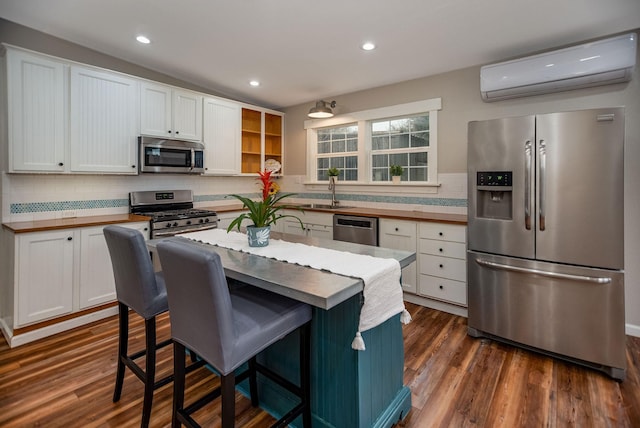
(381, 277)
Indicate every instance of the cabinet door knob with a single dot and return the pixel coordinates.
(441, 287)
(396, 229)
(441, 266)
(440, 233)
(133, 166)
(60, 164)
(440, 249)
(177, 132)
(69, 238)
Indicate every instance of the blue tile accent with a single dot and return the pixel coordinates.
(34, 207)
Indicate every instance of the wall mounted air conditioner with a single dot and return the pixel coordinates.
(592, 64)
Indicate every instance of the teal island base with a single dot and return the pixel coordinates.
(348, 388)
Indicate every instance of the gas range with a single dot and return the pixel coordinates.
(171, 212)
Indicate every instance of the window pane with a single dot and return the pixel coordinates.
(420, 123)
(380, 174)
(352, 145)
(400, 141)
(381, 127)
(337, 146)
(380, 143)
(352, 131)
(351, 175)
(323, 163)
(337, 162)
(401, 159)
(400, 125)
(351, 162)
(380, 161)
(418, 159)
(324, 135)
(420, 139)
(418, 174)
(323, 147)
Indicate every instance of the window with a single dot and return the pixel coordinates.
(365, 144)
(401, 141)
(338, 148)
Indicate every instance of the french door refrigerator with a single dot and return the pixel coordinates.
(545, 253)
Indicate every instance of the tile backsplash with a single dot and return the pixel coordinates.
(27, 197)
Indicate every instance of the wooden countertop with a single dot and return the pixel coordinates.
(68, 223)
(373, 212)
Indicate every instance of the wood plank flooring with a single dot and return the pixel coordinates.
(456, 381)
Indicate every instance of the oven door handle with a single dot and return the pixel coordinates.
(173, 232)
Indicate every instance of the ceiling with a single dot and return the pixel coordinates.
(302, 51)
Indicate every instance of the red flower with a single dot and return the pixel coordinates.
(265, 177)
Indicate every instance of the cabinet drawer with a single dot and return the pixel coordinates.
(444, 267)
(443, 289)
(443, 248)
(397, 227)
(443, 232)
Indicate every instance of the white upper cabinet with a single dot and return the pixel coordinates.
(37, 114)
(170, 112)
(103, 131)
(221, 136)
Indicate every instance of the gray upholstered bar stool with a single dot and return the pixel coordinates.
(228, 328)
(142, 290)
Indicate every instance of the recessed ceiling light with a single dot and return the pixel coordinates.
(143, 39)
(254, 83)
(368, 46)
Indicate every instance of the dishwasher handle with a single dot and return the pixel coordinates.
(352, 222)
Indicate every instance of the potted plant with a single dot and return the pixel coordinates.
(396, 173)
(263, 212)
(333, 172)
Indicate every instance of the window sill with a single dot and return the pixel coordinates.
(376, 187)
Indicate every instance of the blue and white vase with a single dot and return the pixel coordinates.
(258, 236)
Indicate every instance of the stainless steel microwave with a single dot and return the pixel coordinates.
(171, 156)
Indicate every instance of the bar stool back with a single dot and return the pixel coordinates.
(228, 328)
(142, 290)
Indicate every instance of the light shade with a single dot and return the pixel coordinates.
(322, 110)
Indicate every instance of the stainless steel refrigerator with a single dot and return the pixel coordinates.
(545, 256)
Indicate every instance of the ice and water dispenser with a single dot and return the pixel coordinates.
(494, 194)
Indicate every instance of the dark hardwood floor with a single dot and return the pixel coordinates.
(67, 381)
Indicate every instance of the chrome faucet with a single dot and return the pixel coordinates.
(332, 187)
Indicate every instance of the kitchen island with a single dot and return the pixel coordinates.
(349, 388)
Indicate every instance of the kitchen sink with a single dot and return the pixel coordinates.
(323, 206)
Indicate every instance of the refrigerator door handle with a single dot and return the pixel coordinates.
(527, 184)
(596, 280)
(542, 148)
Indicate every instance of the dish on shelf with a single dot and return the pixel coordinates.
(272, 165)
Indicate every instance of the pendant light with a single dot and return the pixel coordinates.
(322, 110)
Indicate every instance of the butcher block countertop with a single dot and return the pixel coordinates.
(101, 220)
(69, 223)
(373, 212)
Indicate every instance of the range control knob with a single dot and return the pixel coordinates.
(169, 224)
(206, 220)
(188, 222)
(201, 221)
(175, 224)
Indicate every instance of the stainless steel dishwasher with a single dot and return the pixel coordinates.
(357, 229)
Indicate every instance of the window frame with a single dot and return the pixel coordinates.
(363, 119)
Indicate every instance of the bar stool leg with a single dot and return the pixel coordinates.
(150, 370)
(123, 340)
(178, 382)
(228, 393)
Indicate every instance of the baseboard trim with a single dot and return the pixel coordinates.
(632, 330)
(436, 304)
(49, 330)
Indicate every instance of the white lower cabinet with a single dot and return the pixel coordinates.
(442, 266)
(43, 276)
(62, 271)
(400, 235)
(316, 224)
